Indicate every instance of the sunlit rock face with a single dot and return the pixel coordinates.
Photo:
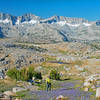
(32, 28)
(98, 93)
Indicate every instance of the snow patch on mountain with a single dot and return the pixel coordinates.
(4, 21)
(87, 24)
(62, 23)
(30, 22)
(33, 21)
(73, 25)
(18, 22)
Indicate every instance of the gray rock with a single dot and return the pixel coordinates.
(31, 28)
(98, 92)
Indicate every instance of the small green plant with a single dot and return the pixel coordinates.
(54, 75)
(30, 72)
(21, 94)
(13, 73)
(24, 74)
(37, 75)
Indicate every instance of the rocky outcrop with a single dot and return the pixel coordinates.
(98, 23)
(1, 33)
(98, 93)
(7, 19)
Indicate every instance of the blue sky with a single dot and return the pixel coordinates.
(88, 9)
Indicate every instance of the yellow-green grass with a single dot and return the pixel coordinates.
(7, 84)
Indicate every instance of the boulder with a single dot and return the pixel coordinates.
(33, 78)
(1, 95)
(86, 89)
(93, 87)
(17, 89)
(60, 97)
(98, 92)
(9, 93)
(87, 84)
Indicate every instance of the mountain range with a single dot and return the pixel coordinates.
(31, 28)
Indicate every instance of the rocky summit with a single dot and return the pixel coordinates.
(31, 28)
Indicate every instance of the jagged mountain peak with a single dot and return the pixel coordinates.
(71, 20)
(27, 19)
(31, 28)
(7, 18)
(10, 19)
(30, 18)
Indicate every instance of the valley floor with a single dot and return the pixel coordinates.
(67, 89)
(71, 59)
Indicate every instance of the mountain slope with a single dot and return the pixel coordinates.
(31, 28)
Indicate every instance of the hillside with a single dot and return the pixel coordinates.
(31, 28)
